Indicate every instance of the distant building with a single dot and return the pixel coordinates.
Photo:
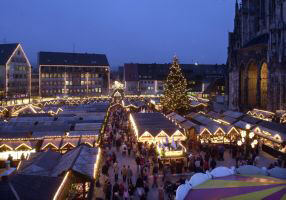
(257, 56)
(15, 72)
(149, 78)
(121, 73)
(35, 82)
(73, 74)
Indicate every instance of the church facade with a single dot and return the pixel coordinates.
(257, 56)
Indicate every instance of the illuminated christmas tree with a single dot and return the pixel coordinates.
(175, 90)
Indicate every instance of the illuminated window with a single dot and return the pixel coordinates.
(99, 90)
(81, 82)
(96, 89)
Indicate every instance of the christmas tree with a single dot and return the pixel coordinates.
(175, 91)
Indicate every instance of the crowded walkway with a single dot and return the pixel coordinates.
(132, 170)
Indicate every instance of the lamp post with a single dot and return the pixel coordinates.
(247, 140)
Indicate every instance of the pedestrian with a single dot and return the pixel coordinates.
(131, 191)
(213, 163)
(138, 163)
(115, 191)
(126, 194)
(198, 165)
(129, 149)
(108, 191)
(121, 189)
(124, 173)
(161, 193)
(164, 173)
(206, 165)
(116, 170)
(155, 184)
(129, 175)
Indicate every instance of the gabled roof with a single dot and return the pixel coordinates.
(154, 123)
(78, 59)
(6, 51)
(29, 187)
(81, 159)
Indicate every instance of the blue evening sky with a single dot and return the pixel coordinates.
(145, 31)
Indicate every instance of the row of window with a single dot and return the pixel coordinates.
(18, 84)
(147, 82)
(21, 68)
(19, 76)
(68, 69)
(62, 83)
(66, 75)
(66, 91)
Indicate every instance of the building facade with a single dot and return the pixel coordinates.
(73, 74)
(35, 82)
(15, 72)
(149, 78)
(257, 56)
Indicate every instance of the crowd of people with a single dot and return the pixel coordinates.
(131, 169)
(121, 152)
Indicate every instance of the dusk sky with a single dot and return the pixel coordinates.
(144, 31)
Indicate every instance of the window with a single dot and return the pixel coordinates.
(81, 82)
(99, 90)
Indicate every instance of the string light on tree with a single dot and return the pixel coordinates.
(175, 90)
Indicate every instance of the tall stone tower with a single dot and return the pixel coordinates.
(257, 56)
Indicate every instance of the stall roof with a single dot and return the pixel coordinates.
(242, 124)
(15, 144)
(214, 115)
(229, 119)
(72, 141)
(154, 123)
(84, 133)
(178, 118)
(274, 128)
(187, 124)
(250, 120)
(87, 126)
(81, 159)
(233, 114)
(56, 142)
(29, 187)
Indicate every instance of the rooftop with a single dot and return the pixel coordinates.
(75, 59)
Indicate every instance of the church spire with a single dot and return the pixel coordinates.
(236, 7)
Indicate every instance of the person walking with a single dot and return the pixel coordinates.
(108, 191)
(124, 173)
(126, 194)
(129, 175)
(213, 163)
(116, 170)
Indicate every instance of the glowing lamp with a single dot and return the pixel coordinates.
(252, 145)
(239, 143)
(251, 135)
(247, 126)
(243, 140)
(243, 134)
